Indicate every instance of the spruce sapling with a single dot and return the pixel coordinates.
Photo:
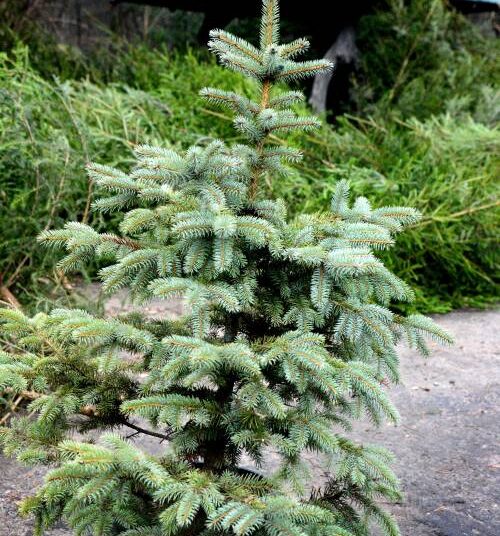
(287, 338)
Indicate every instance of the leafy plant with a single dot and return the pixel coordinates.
(287, 339)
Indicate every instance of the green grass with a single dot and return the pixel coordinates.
(422, 130)
(48, 131)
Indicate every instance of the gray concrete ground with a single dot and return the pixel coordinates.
(446, 446)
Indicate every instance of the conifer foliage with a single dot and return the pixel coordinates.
(287, 338)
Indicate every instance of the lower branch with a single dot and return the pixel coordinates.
(145, 431)
(89, 411)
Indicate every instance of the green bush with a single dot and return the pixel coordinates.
(423, 133)
(418, 55)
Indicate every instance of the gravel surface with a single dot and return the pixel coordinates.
(446, 445)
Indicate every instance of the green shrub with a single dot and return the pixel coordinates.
(417, 55)
(429, 85)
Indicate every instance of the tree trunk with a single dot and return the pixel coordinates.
(343, 50)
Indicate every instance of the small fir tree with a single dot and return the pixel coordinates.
(287, 339)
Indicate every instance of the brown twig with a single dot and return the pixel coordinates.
(132, 244)
(264, 103)
(13, 407)
(145, 431)
(447, 217)
(9, 297)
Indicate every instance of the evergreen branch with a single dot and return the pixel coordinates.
(304, 124)
(238, 65)
(235, 42)
(295, 47)
(121, 241)
(305, 69)
(269, 29)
